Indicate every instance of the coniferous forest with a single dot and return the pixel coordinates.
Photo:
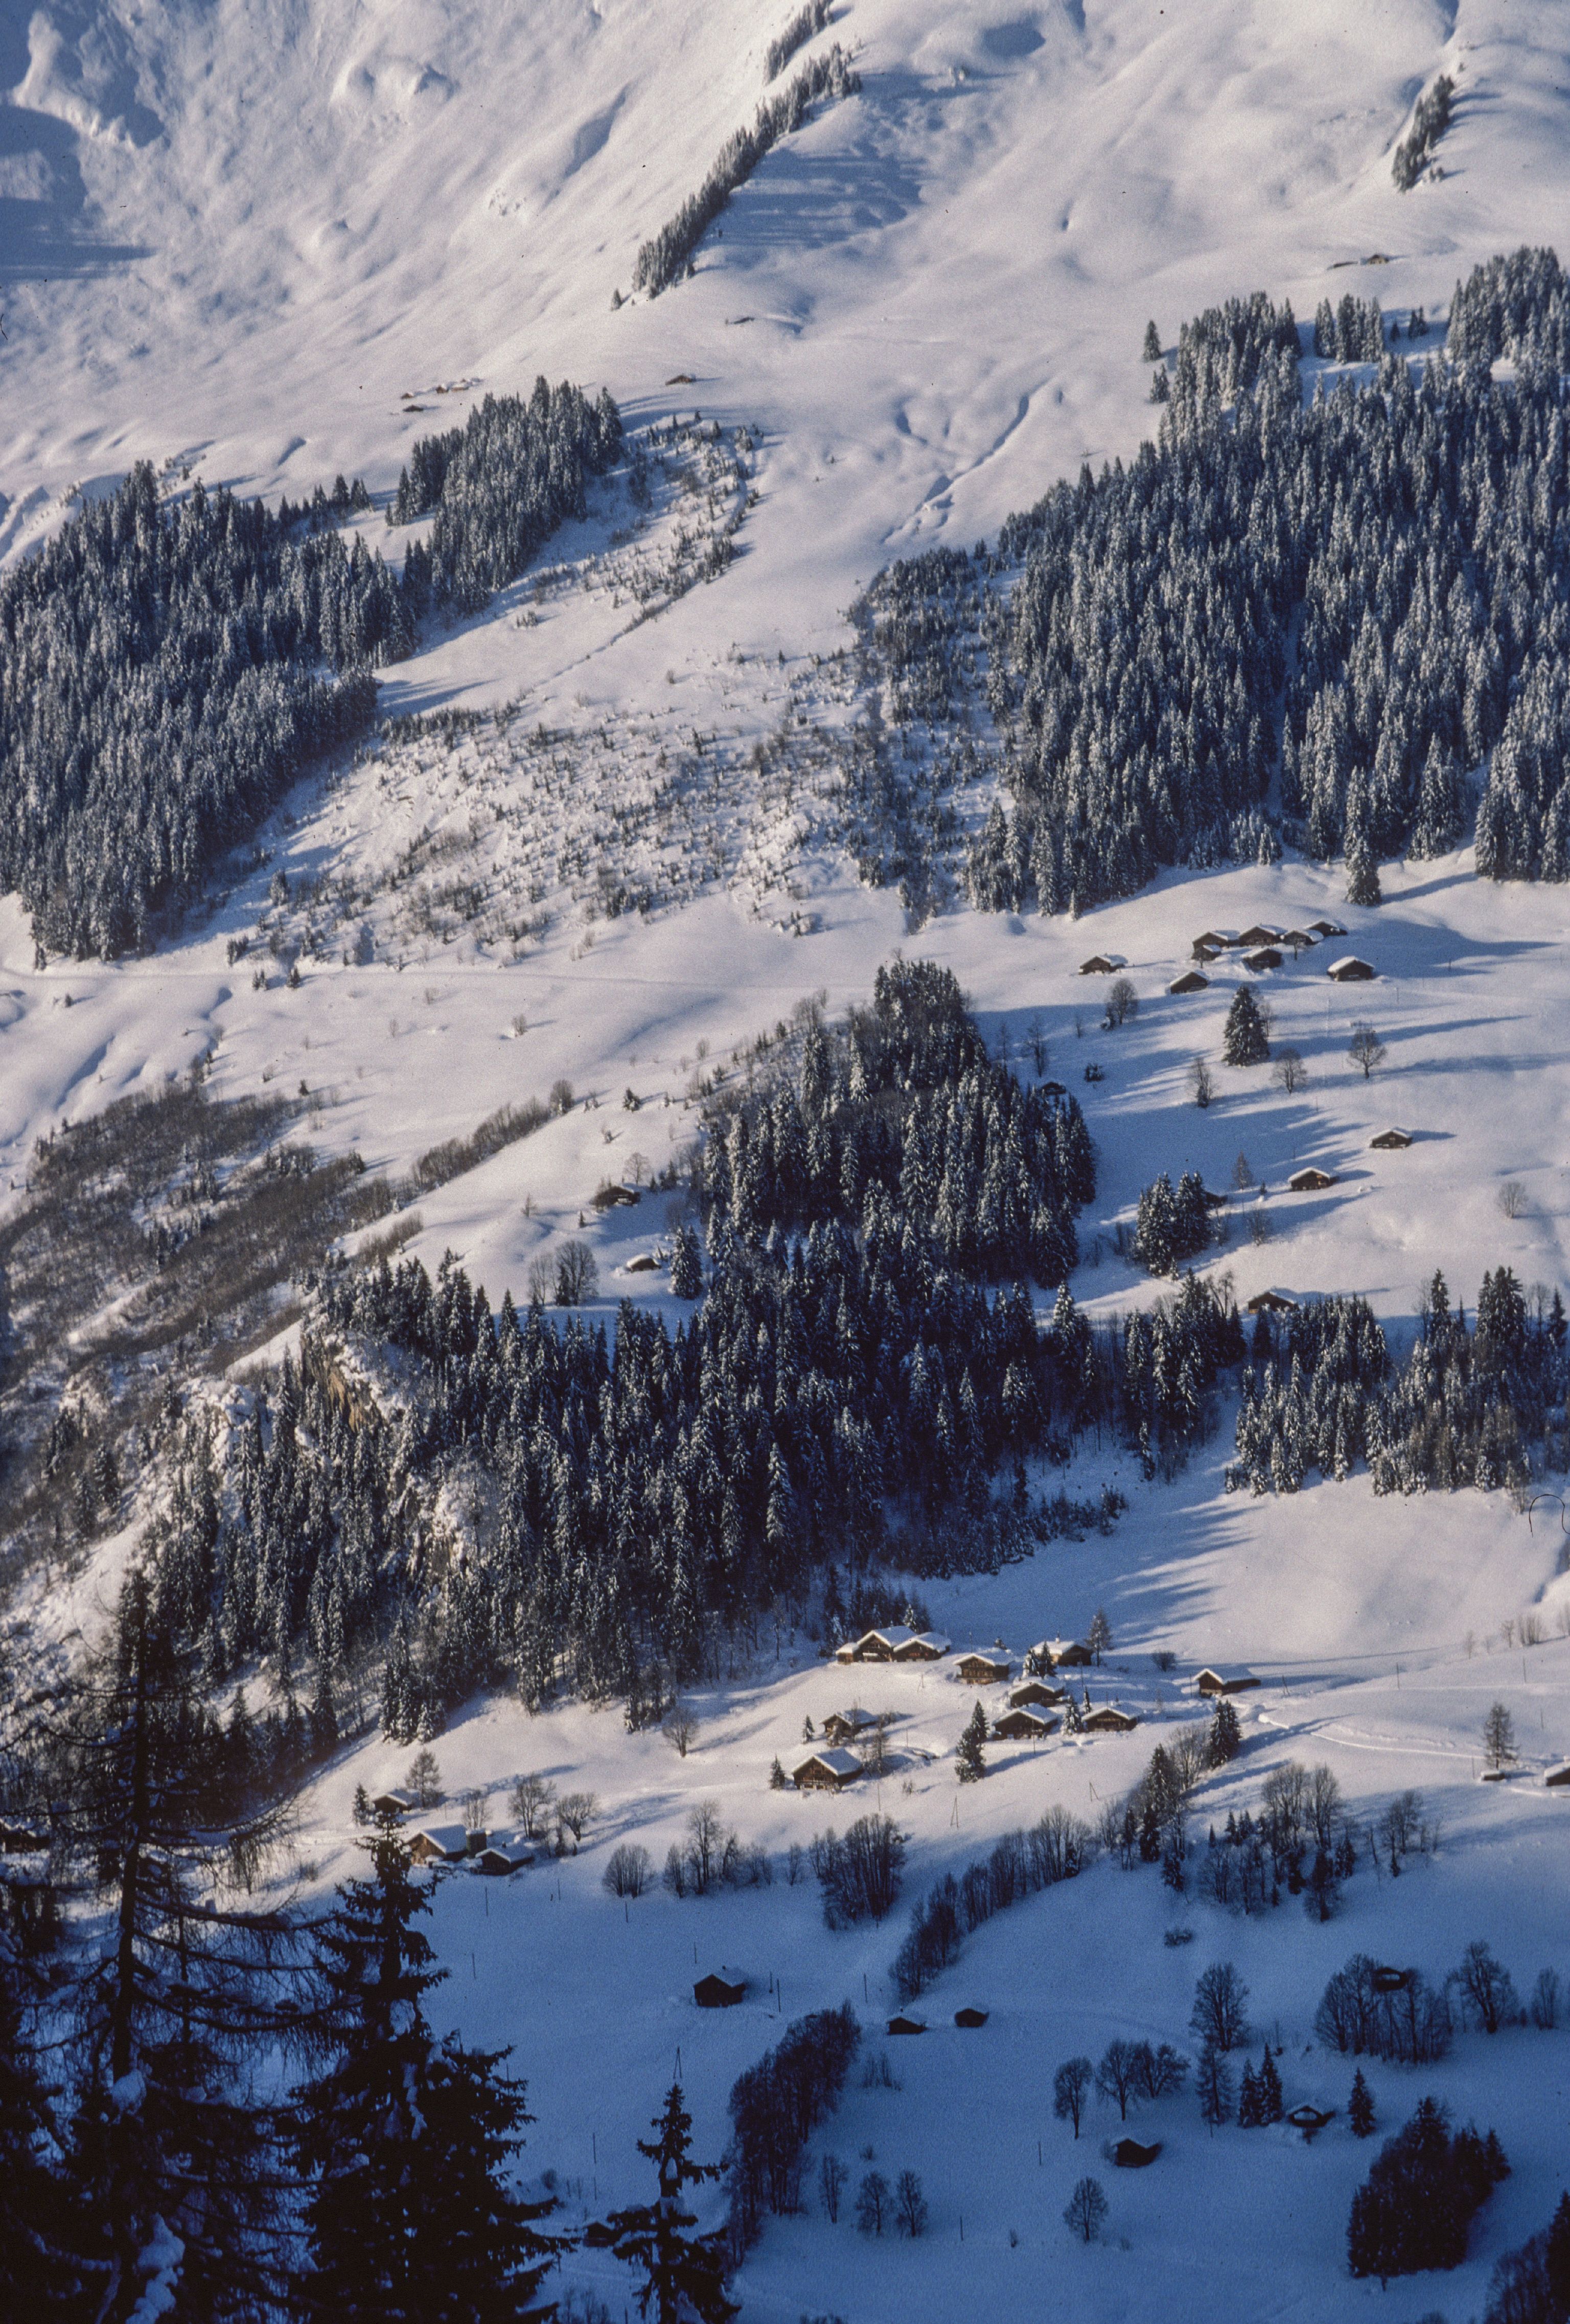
(1351, 606)
(862, 1377)
(167, 671)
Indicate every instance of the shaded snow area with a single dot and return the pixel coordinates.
(657, 794)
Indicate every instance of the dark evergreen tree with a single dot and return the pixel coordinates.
(1268, 2088)
(1360, 2111)
(42, 2234)
(404, 2142)
(184, 1981)
(1244, 1041)
(1226, 1737)
(1151, 350)
(1416, 2207)
(686, 1265)
(972, 1751)
(683, 2275)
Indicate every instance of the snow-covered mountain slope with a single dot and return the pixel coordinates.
(267, 240)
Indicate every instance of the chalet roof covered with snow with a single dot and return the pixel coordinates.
(1350, 970)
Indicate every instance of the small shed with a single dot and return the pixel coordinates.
(971, 2019)
(439, 1843)
(984, 1670)
(1024, 1724)
(1271, 1302)
(1311, 1181)
(1102, 964)
(503, 1852)
(1190, 982)
(1262, 933)
(826, 1771)
(907, 2025)
(1109, 1720)
(1036, 1690)
(1214, 1682)
(713, 1992)
(926, 1646)
(395, 1800)
(1051, 1089)
(1327, 927)
(1350, 970)
(1391, 1141)
(1311, 2118)
(645, 1263)
(614, 1198)
(1558, 1778)
(1385, 1979)
(1130, 2155)
(845, 1726)
(1267, 957)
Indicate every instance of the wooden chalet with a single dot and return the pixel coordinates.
(1102, 964)
(1130, 2155)
(1271, 1302)
(439, 1843)
(848, 1725)
(1327, 927)
(713, 1992)
(1051, 1089)
(1024, 1724)
(984, 1670)
(503, 1852)
(1391, 1141)
(1300, 939)
(1350, 970)
(1109, 1720)
(1262, 933)
(1036, 1692)
(907, 2025)
(1216, 940)
(829, 1770)
(1557, 1779)
(1062, 1654)
(1190, 982)
(645, 1263)
(1311, 2118)
(613, 1198)
(1385, 1979)
(970, 2020)
(1214, 1682)
(1267, 957)
(895, 1642)
(1216, 1202)
(1311, 1181)
(395, 1800)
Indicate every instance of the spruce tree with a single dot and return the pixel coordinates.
(972, 1752)
(1360, 2111)
(404, 2142)
(684, 2274)
(1225, 1738)
(1244, 1041)
(1152, 352)
(39, 2228)
(1268, 2089)
(186, 1982)
(1248, 2100)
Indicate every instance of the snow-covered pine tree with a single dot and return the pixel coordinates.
(972, 1748)
(684, 2274)
(1244, 1040)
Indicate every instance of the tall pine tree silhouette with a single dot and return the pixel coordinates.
(405, 2140)
(684, 2274)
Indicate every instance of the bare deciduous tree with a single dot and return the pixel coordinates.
(1086, 2210)
(1202, 1083)
(680, 1729)
(425, 1779)
(1292, 1074)
(1122, 1002)
(1512, 1198)
(1366, 1049)
(530, 1800)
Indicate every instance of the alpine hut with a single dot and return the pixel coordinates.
(829, 1770)
(1102, 964)
(984, 1670)
(1311, 1181)
(1214, 1682)
(1391, 1141)
(1190, 982)
(1109, 1720)
(1350, 970)
(1024, 1724)
(713, 1992)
